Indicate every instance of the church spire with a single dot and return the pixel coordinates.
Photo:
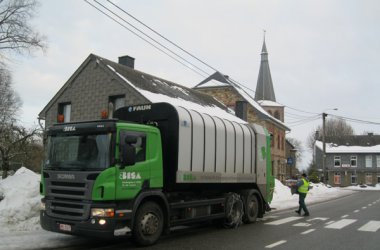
(264, 88)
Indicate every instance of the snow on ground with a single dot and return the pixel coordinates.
(19, 210)
(283, 199)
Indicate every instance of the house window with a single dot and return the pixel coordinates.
(368, 178)
(64, 109)
(283, 143)
(337, 178)
(368, 161)
(354, 160)
(336, 161)
(354, 178)
(271, 140)
(378, 161)
(378, 178)
(118, 101)
(278, 141)
(277, 115)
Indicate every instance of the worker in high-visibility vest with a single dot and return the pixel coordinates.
(303, 186)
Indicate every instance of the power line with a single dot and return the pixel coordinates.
(142, 32)
(145, 40)
(238, 84)
(297, 116)
(163, 37)
(303, 121)
(355, 120)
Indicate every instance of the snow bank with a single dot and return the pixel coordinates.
(283, 199)
(19, 209)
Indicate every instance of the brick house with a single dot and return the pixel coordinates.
(98, 82)
(350, 160)
(262, 109)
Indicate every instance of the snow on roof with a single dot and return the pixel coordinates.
(158, 97)
(248, 97)
(210, 110)
(214, 83)
(219, 80)
(269, 103)
(334, 148)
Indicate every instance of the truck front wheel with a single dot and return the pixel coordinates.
(149, 224)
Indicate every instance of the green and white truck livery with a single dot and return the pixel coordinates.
(151, 168)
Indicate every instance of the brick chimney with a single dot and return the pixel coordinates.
(127, 61)
(241, 110)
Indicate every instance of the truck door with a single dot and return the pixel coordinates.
(131, 179)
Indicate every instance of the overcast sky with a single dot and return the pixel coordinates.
(323, 54)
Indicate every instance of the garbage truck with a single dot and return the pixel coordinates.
(151, 168)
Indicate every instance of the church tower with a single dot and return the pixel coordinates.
(266, 98)
(264, 90)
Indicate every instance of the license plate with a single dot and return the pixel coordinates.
(65, 227)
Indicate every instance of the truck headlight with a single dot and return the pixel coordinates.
(102, 212)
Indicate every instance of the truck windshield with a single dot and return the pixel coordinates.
(82, 152)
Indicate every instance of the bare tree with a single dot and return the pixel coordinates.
(10, 102)
(14, 142)
(334, 128)
(298, 146)
(16, 36)
(16, 33)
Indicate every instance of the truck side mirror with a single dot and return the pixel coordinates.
(128, 151)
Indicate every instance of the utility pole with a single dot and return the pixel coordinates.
(324, 148)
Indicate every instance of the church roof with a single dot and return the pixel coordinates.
(264, 88)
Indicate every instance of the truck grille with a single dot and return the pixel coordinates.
(68, 199)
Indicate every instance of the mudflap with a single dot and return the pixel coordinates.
(267, 207)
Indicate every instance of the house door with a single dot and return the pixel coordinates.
(337, 179)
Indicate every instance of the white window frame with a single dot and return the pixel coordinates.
(67, 112)
(355, 159)
(118, 101)
(336, 160)
(368, 161)
(378, 161)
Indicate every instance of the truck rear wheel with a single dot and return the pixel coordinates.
(149, 224)
(234, 211)
(251, 207)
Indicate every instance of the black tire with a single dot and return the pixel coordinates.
(234, 211)
(251, 207)
(149, 224)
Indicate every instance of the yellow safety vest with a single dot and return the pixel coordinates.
(304, 188)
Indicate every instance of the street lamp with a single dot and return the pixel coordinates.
(324, 115)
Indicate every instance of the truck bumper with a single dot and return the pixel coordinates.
(93, 227)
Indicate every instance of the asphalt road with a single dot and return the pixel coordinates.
(351, 222)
